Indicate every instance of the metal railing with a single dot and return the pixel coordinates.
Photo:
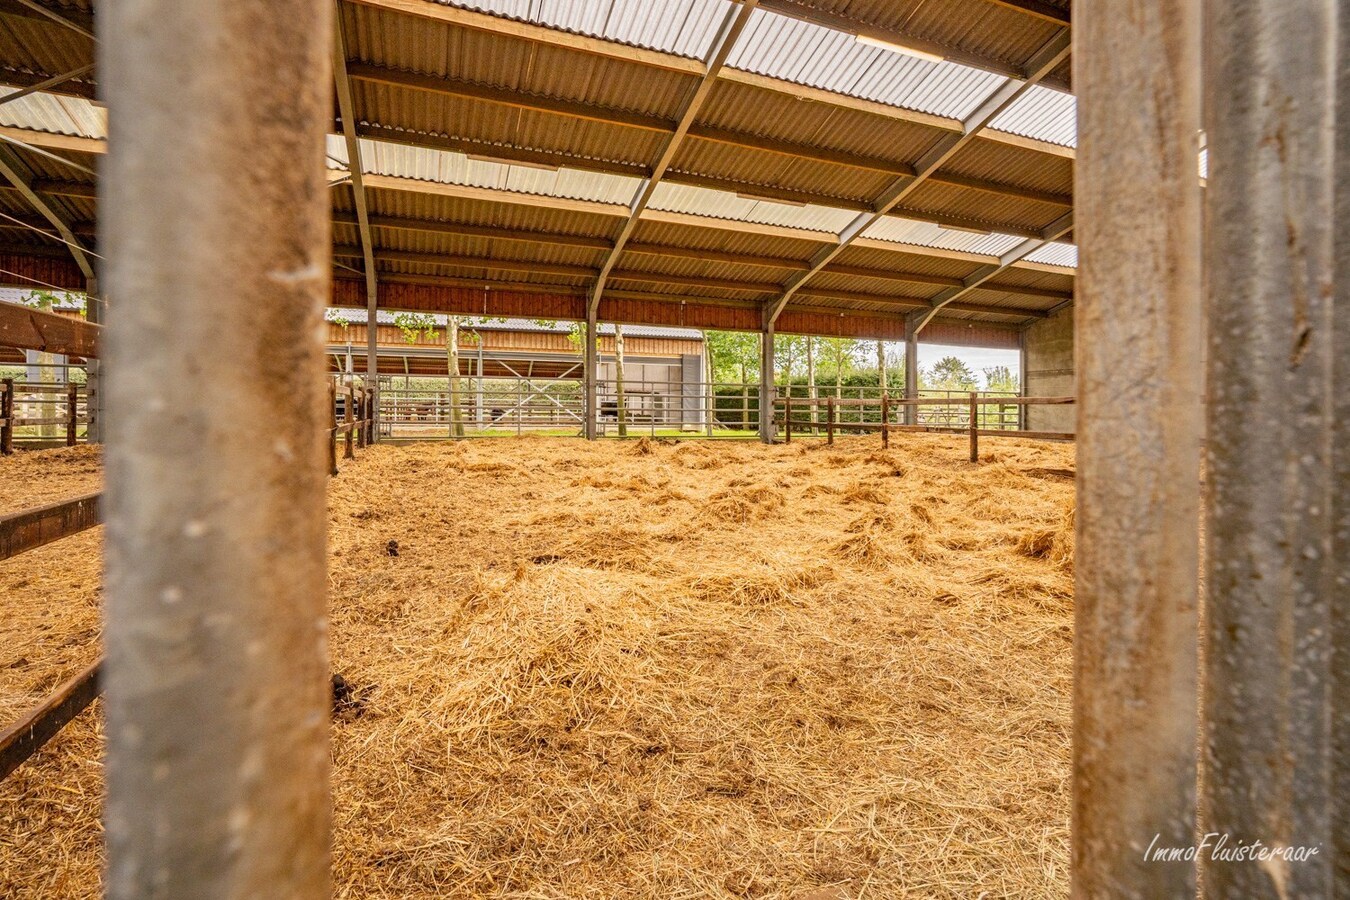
(41, 414)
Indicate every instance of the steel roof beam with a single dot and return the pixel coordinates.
(1054, 52)
(732, 26)
(981, 276)
(450, 87)
(76, 20)
(838, 22)
(14, 170)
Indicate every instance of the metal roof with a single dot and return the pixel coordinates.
(538, 326)
(505, 143)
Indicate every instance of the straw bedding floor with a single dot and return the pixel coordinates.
(646, 670)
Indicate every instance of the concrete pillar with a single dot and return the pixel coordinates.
(911, 369)
(215, 228)
(767, 390)
(1137, 197)
(589, 362)
(1276, 590)
(93, 368)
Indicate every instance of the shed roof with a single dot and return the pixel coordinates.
(854, 161)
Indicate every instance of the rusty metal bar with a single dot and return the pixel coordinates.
(1137, 77)
(1271, 576)
(215, 230)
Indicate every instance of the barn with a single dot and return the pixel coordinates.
(268, 627)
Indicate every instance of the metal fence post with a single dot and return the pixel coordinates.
(1275, 588)
(974, 427)
(885, 420)
(72, 405)
(7, 408)
(214, 227)
(348, 451)
(1137, 220)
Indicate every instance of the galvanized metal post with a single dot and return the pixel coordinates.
(767, 391)
(1137, 200)
(588, 356)
(911, 369)
(1271, 572)
(93, 368)
(215, 227)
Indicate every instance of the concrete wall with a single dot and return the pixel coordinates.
(1050, 371)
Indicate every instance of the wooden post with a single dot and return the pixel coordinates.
(72, 402)
(7, 413)
(885, 420)
(787, 419)
(361, 421)
(349, 419)
(974, 427)
(332, 428)
(1277, 531)
(1137, 316)
(829, 420)
(214, 231)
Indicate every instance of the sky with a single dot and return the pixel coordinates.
(977, 358)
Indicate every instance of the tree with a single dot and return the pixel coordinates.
(415, 325)
(881, 365)
(951, 374)
(735, 355)
(840, 354)
(789, 350)
(1000, 379)
(811, 374)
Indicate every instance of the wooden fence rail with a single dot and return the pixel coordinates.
(69, 396)
(886, 403)
(30, 528)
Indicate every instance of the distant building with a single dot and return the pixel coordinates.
(663, 366)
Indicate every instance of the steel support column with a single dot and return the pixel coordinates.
(1271, 571)
(215, 229)
(93, 367)
(1138, 339)
(767, 390)
(588, 378)
(911, 368)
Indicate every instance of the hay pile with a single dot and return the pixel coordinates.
(693, 670)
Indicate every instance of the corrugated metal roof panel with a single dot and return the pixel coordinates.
(409, 43)
(405, 204)
(997, 211)
(899, 261)
(359, 317)
(852, 186)
(1041, 113)
(1003, 35)
(799, 51)
(1056, 254)
(729, 241)
(723, 205)
(1004, 163)
(926, 234)
(54, 115)
(422, 164)
(683, 27)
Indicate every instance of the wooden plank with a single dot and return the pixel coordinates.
(42, 723)
(31, 528)
(32, 329)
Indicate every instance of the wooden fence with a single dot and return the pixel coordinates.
(69, 397)
(970, 424)
(37, 527)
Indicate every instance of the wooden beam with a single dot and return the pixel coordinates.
(30, 329)
(41, 525)
(71, 84)
(466, 192)
(25, 737)
(82, 20)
